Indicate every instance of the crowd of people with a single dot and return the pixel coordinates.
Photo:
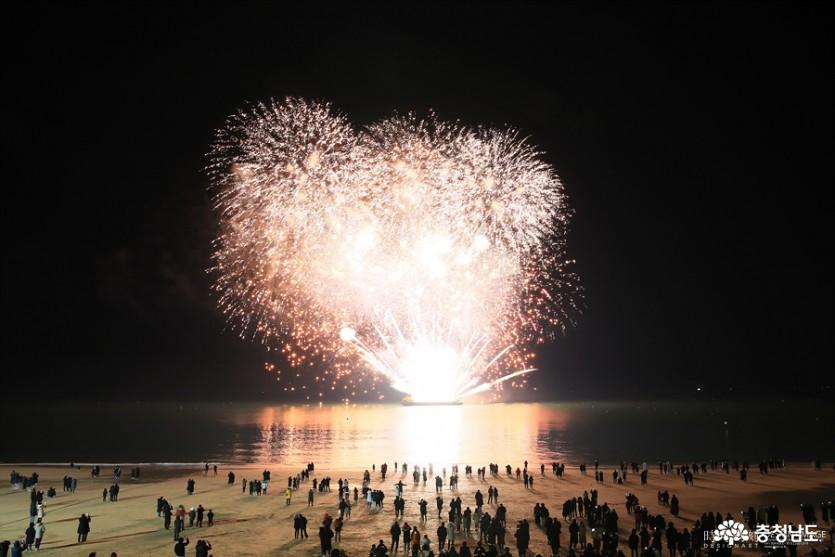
(592, 526)
(182, 518)
(477, 529)
(34, 534)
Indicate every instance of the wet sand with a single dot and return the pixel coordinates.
(263, 526)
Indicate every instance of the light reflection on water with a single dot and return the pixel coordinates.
(358, 435)
(413, 434)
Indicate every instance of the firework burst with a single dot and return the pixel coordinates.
(424, 253)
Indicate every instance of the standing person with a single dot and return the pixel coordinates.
(395, 535)
(40, 530)
(166, 513)
(303, 526)
(30, 535)
(426, 544)
(179, 525)
(325, 536)
(407, 537)
(83, 527)
(211, 517)
(573, 531)
(672, 539)
(288, 495)
(202, 548)
(442, 533)
(180, 547)
(633, 543)
(296, 526)
(523, 536)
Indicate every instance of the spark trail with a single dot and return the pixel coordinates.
(428, 254)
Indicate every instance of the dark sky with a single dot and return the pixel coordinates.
(695, 142)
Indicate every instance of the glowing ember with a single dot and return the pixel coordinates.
(426, 253)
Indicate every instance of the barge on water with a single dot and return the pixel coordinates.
(407, 401)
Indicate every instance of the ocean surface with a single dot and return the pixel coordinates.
(357, 435)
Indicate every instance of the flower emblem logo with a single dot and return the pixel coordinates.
(731, 532)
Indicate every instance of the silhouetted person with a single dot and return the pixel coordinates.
(180, 547)
(395, 532)
(83, 527)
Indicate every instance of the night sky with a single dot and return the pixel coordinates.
(695, 143)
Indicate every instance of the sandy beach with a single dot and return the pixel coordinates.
(262, 526)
